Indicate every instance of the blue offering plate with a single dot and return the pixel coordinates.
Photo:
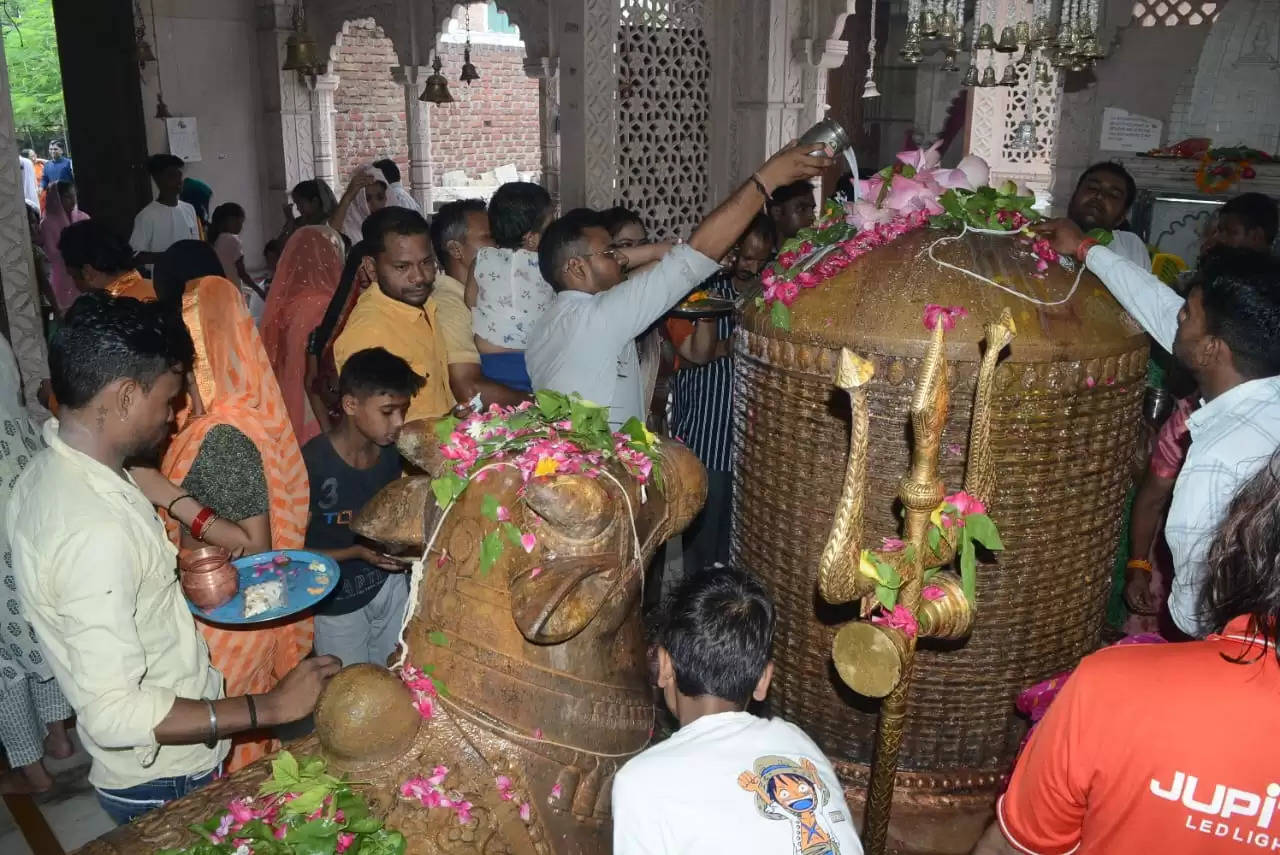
(301, 584)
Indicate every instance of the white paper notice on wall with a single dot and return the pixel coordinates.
(1125, 131)
(184, 141)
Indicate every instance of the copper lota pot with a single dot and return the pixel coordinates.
(208, 578)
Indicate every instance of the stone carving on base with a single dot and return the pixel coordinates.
(542, 660)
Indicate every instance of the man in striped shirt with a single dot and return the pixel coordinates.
(702, 394)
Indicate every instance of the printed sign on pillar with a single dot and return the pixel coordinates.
(184, 141)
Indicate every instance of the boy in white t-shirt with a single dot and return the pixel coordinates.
(166, 220)
(727, 781)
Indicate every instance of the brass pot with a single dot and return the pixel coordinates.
(208, 578)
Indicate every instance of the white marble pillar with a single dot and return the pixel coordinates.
(285, 134)
(417, 120)
(588, 103)
(21, 301)
(546, 71)
(323, 140)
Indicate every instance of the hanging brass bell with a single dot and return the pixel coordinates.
(949, 61)
(1090, 48)
(469, 72)
(988, 77)
(1041, 34)
(947, 26)
(1061, 57)
(1022, 32)
(870, 90)
(1024, 135)
(1008, 41)
(928, 23)
(911, 54)
(437, 89)
(970, 76)
(300, 53)
(1043, 75)
(986, 38)
(1010, 76)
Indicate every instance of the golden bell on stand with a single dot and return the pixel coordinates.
(1008, 41)
(986, 38)
(970, 76)
(469, 72)
(1010, 76)
(437, 89)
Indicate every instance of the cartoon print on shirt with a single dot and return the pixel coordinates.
(792, 790)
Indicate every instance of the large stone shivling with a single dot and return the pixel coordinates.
(1064, 421)
(539, 687)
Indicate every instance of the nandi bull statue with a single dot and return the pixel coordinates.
(524, 683)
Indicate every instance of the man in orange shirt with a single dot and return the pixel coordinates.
(1168, 748)
(100, 260)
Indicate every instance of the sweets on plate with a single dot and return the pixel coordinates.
(263, 597)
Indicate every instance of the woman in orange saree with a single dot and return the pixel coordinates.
(234, 440)
(305, 280)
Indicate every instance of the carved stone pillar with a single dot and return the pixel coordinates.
(285, 134)
(588, 103)
(323, 141)
(417, 120)
(546, 71)
(21, 302)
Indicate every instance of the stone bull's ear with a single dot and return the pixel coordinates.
(559, 601)
(399, 514)
(419, 445)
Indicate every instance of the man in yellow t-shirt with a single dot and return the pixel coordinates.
(396, 311)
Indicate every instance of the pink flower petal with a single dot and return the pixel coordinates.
(892, 544)
(528, 541)
(526, 811)
(932, 592)
(556, 791)
(535, 572)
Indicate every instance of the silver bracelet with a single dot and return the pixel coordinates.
(213, 726)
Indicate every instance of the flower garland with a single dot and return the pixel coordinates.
(1220, 168)
(300, 810)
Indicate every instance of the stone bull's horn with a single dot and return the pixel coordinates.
(576, 506)
(400, 514)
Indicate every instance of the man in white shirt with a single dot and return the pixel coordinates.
(168, 219)
(585, 342)
(95, 570)
(29, 190)
(396, 194)
(1102, 198)
(726, 781)
(1227, 334)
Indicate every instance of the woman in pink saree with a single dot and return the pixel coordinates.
(60, 212)
(305, 280)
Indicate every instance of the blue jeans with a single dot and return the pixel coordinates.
(124, 806)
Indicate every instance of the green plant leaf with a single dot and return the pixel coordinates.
(968, 570)
(887, 596)
(308, 800)
(780, 314)
(934, 538)
(512, 531)
(489, 506)
(445, 428)
(383, 842)
(1102, 236)
(930, 573)
(490, 551)
(447, 488)
(364, 825)
(284, 769)
(439, 639)
(635, 429)
(950, 202)
(553, 405)
(979, 527)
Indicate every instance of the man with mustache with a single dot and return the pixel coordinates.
(1102, 199)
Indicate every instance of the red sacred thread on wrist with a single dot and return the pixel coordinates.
(201, 522)
(1083, 249)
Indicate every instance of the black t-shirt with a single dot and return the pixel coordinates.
(338, 492)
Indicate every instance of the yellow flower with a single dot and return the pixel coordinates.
(936, 516)
(546, 466)
(867, 567)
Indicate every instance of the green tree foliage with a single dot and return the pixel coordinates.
(35, 78)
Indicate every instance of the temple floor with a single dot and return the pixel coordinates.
(71, 809)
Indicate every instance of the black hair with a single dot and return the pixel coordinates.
(60, 144)
(450, 224)
(105, 338)
(1244, 561)
(1256, 211)
(761, 226)
(218, 222)
(717, 628)
(63, 186)
(564, 239)
(1130, 186)
(158, 164)
(617, 218)
(273, 245)
(181, 263)
(91, 243)
(1240, 292)
(388, 168)
(517, 208)
(322, 334)
(375, 371)
(318, 191)
(391, 220)
(787, 192)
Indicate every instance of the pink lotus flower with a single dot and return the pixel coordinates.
(965, 504)
(900, 619)
(932, 592)
(526, 811)
(892, 544)
(921, 159)
(908, 194)
(952, 179)
(947, 315)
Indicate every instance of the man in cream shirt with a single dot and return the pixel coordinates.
(95, 571)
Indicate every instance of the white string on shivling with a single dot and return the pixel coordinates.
(985, 280)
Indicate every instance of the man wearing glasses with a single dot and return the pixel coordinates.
(585, 343)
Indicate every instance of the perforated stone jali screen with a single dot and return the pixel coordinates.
(664, 108)
(1174, 13)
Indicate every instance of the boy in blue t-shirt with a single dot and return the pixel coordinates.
(360, 621)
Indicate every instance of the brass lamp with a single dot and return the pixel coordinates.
(437, 89)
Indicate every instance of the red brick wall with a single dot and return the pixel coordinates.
(493, 121)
